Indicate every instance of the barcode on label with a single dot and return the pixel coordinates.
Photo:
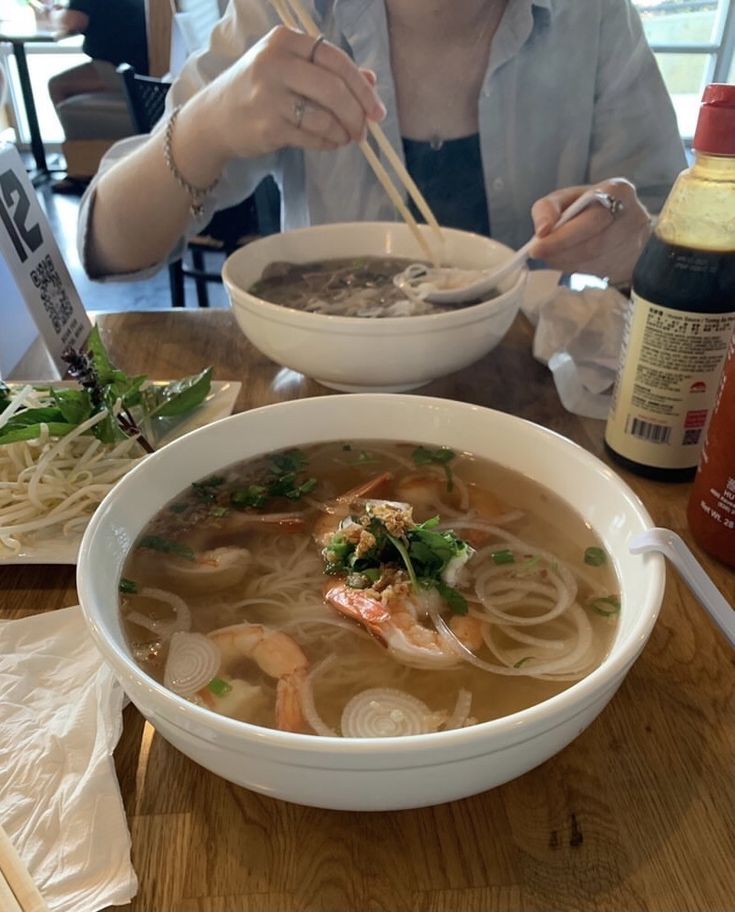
(647, 430)
(691, 436)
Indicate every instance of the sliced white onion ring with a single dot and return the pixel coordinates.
(193, 660)
(383, 712)
(175, 602)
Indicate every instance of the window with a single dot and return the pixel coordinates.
(693, 43)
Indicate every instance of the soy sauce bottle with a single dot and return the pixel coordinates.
(711, 507)
(682, 310)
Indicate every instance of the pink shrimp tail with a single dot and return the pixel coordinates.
(353, 603)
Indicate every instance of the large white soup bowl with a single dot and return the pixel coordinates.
(372, 773)
(361, 354)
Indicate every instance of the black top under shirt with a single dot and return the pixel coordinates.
(116, 31)
(451, 178)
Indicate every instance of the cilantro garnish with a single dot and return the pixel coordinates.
(207, 490)
(424, 551)
(283, 478)
(441, 456)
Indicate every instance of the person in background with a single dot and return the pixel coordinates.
(114, 33)
(504, 110)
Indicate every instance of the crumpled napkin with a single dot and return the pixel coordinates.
(579, 334)
(60, 803)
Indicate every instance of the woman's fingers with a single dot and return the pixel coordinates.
(290, 90)
(332, 83)
(333, 59)
(597, 240)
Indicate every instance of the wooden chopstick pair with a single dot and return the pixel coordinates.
(294, 15)
(18, 893)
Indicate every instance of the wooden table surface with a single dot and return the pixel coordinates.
(636, 815)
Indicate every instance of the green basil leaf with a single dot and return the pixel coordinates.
(30, 432)
(74, 404)
(183, 395)
(105, 369)
(26, 417)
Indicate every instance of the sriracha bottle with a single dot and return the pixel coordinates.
(711, 508)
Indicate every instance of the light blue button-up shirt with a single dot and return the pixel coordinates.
(572, 95)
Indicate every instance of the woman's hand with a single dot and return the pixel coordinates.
(595, 241)
(287, 91)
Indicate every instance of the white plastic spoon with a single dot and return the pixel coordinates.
(449, 285)
(692, 572)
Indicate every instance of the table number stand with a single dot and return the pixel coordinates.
(41, 313)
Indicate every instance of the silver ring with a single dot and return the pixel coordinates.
(613, 205)
(299, 109)
(317, 41)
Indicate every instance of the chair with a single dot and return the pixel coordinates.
(230, 228)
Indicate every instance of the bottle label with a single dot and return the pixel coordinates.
(667, 382)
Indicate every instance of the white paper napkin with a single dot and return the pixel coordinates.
(60, 803)
(579, 334)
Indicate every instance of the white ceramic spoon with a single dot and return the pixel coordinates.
(692, 572)
(450, 285)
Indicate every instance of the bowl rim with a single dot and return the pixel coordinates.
(608, 675)
(472, 312)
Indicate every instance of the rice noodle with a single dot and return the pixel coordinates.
(461, 711)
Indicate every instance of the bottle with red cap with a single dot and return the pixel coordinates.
(682, 310)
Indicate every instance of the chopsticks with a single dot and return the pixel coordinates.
(18, 893)
(292, 10)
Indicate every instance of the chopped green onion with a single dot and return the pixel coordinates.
(166, 546)
(503, 557)
(521, 662)
(456, 601)
(219, 687)
(595, 557)
(128, 586)
(219, 512)
(607, 606)
(252, 496)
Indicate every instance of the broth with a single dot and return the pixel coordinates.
(348, 287)
(426, 624)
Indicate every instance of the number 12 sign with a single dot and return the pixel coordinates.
(37, 295)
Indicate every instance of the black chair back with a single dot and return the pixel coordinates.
(146, 97)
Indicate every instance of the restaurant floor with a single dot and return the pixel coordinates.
(150, 294)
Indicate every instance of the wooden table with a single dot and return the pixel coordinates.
(636, 815)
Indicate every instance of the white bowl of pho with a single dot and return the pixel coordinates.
(334, 613)
(322, 302)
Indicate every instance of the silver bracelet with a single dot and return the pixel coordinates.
(196, 194)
